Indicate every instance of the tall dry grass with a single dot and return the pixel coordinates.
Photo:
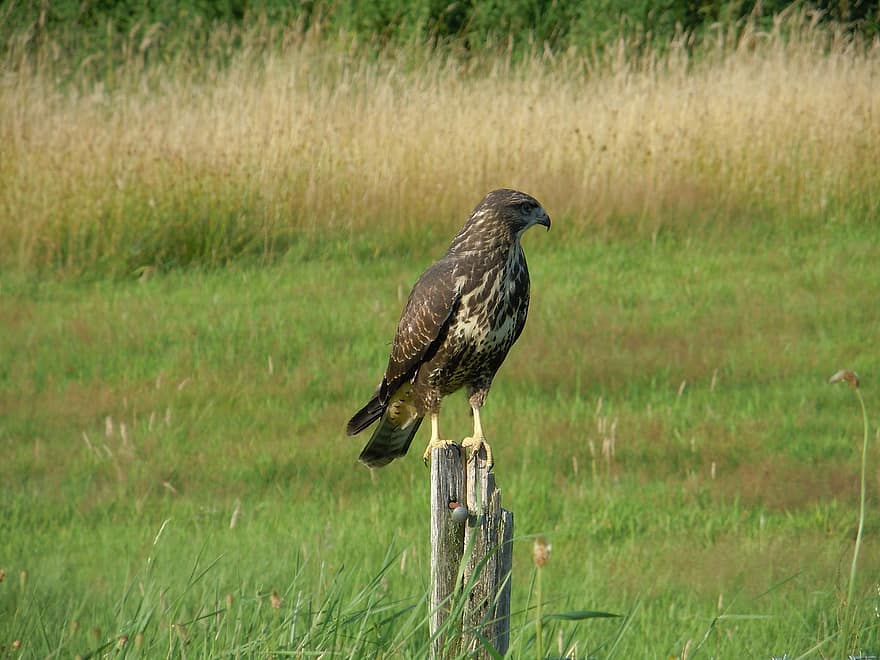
(162, 164)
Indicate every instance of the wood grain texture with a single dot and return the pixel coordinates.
(447, 545)
(484, 544)
(489, 554)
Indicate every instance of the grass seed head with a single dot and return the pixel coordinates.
(847, 376)
(541, 551)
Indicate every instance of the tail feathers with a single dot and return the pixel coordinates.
(365, 416)
(389, 441)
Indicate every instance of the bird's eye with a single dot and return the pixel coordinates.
(525, 208)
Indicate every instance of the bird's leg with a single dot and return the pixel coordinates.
(436, 441)
(478, 440)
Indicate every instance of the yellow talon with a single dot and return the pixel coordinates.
(475, 444)
(439, 443)
(436, 441)
(478, 441)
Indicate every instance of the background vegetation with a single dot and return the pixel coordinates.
(94, 25)
(205, 250)
(151, 165)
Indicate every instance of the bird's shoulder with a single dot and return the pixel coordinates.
(431, 303)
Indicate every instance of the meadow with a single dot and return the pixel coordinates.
(202, 267)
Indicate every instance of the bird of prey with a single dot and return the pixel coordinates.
(461, 318)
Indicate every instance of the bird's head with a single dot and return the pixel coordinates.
(517, 210)
(498, 220)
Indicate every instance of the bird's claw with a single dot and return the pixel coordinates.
(438, 443)
(475, 444)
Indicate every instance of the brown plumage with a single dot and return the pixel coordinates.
(461, 318)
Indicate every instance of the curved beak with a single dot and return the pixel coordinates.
(545, 221)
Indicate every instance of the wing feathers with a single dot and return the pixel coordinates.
(388, 442)
(365, 416)
(423, 324)
(392, 438)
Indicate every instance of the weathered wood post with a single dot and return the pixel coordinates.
(447, 539)
(485, 544)
(488, 610)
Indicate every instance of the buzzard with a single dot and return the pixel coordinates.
(461, 318)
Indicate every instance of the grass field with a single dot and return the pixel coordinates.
(201, 277)
(146, 166)
(731, 488)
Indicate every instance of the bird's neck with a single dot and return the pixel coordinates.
(483, 237)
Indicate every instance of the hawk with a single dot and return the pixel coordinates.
(461, 318)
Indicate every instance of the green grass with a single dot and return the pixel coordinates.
(722, 523)
(101, 34)
(203, 263)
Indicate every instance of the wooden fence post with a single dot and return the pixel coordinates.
(490, 537)
(487, 544)
(447, 540)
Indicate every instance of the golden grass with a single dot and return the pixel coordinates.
(168, 166)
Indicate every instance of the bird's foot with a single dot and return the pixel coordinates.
(477, 442)
(436, 443)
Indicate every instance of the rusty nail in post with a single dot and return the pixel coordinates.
(459, 512)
